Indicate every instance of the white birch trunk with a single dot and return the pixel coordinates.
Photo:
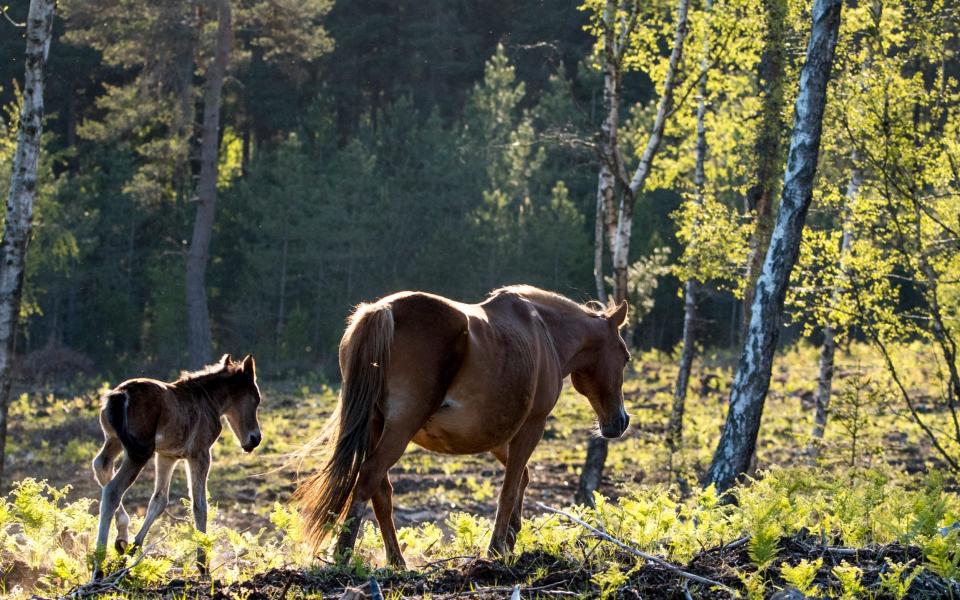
(739, 437)
(675, 424)
(20, 200)
(829, 348)
(606, 179)
(199, 337)
(618, 220)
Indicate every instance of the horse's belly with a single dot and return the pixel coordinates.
(467, 426)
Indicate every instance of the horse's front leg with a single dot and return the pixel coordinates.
(507, 525)
(199, 468)
(161, 495)
(516, 517)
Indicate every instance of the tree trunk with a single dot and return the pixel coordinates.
(739, 437)
(675, 424)
(768, 148)
(619, 220)
(23, 191)
(198, 315)
(829, 348)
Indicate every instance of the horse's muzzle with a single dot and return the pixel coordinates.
(615, 427)
(253, 440)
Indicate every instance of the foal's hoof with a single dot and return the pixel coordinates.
(121, 546)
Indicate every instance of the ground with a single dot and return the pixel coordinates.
(55, 436)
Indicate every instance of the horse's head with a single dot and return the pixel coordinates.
(241, 413)
(599, 373)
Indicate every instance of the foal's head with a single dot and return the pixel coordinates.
(599, 374)
(241, 410)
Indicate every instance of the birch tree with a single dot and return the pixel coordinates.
(768, 145)
(738, 439)
(691, 286)
(616, 25)
(199, 336)
(20, 199)
(906, 216)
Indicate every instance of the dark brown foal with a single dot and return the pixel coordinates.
(172, 421)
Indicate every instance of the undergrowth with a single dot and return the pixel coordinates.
(46, 541)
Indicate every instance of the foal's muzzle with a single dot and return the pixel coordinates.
(253, 440)
(615, 427)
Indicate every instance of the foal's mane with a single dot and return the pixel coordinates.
(552, 300)
(218, 372)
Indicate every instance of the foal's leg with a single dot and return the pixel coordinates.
(161, 494)
(199, 468)
(519, 451)
(517, 516)
(111, 497)
(383, 508)
(103, 471)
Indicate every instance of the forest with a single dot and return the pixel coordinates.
(771, 189)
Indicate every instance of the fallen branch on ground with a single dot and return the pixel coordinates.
(638, 553)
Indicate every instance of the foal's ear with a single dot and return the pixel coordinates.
(618, 316)
(225, 360)
(249, 366)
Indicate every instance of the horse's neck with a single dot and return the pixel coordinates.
(210, 393)
(569, 333)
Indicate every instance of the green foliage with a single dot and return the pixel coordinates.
(802, 576)
(851, 580)
(896, 581)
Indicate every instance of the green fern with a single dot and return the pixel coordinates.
(802, 576)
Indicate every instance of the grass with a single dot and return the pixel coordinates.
(883, 491)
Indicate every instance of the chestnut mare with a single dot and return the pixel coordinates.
(458, 379)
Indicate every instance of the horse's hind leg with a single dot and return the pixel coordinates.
(383, 508)
(112, 495)
(397, 433)
(103, 471)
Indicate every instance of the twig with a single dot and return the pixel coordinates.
(736, 543)
(3, 10)
(647, 557)
(515, 590)
(97, 588)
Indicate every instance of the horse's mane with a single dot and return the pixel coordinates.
(210, 374)
(551, 299)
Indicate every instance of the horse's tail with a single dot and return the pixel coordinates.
(325, 497)
(115, 406)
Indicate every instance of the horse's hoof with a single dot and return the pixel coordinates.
(121, 546)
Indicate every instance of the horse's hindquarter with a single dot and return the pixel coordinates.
(494, 391)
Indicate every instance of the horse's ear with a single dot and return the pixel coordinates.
(618, 316)
(249, 366)
(225, 360)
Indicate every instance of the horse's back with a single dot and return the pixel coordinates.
(429, 344)
(480, 362)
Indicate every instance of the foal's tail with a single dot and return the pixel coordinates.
(115, 406)
(364, 351)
